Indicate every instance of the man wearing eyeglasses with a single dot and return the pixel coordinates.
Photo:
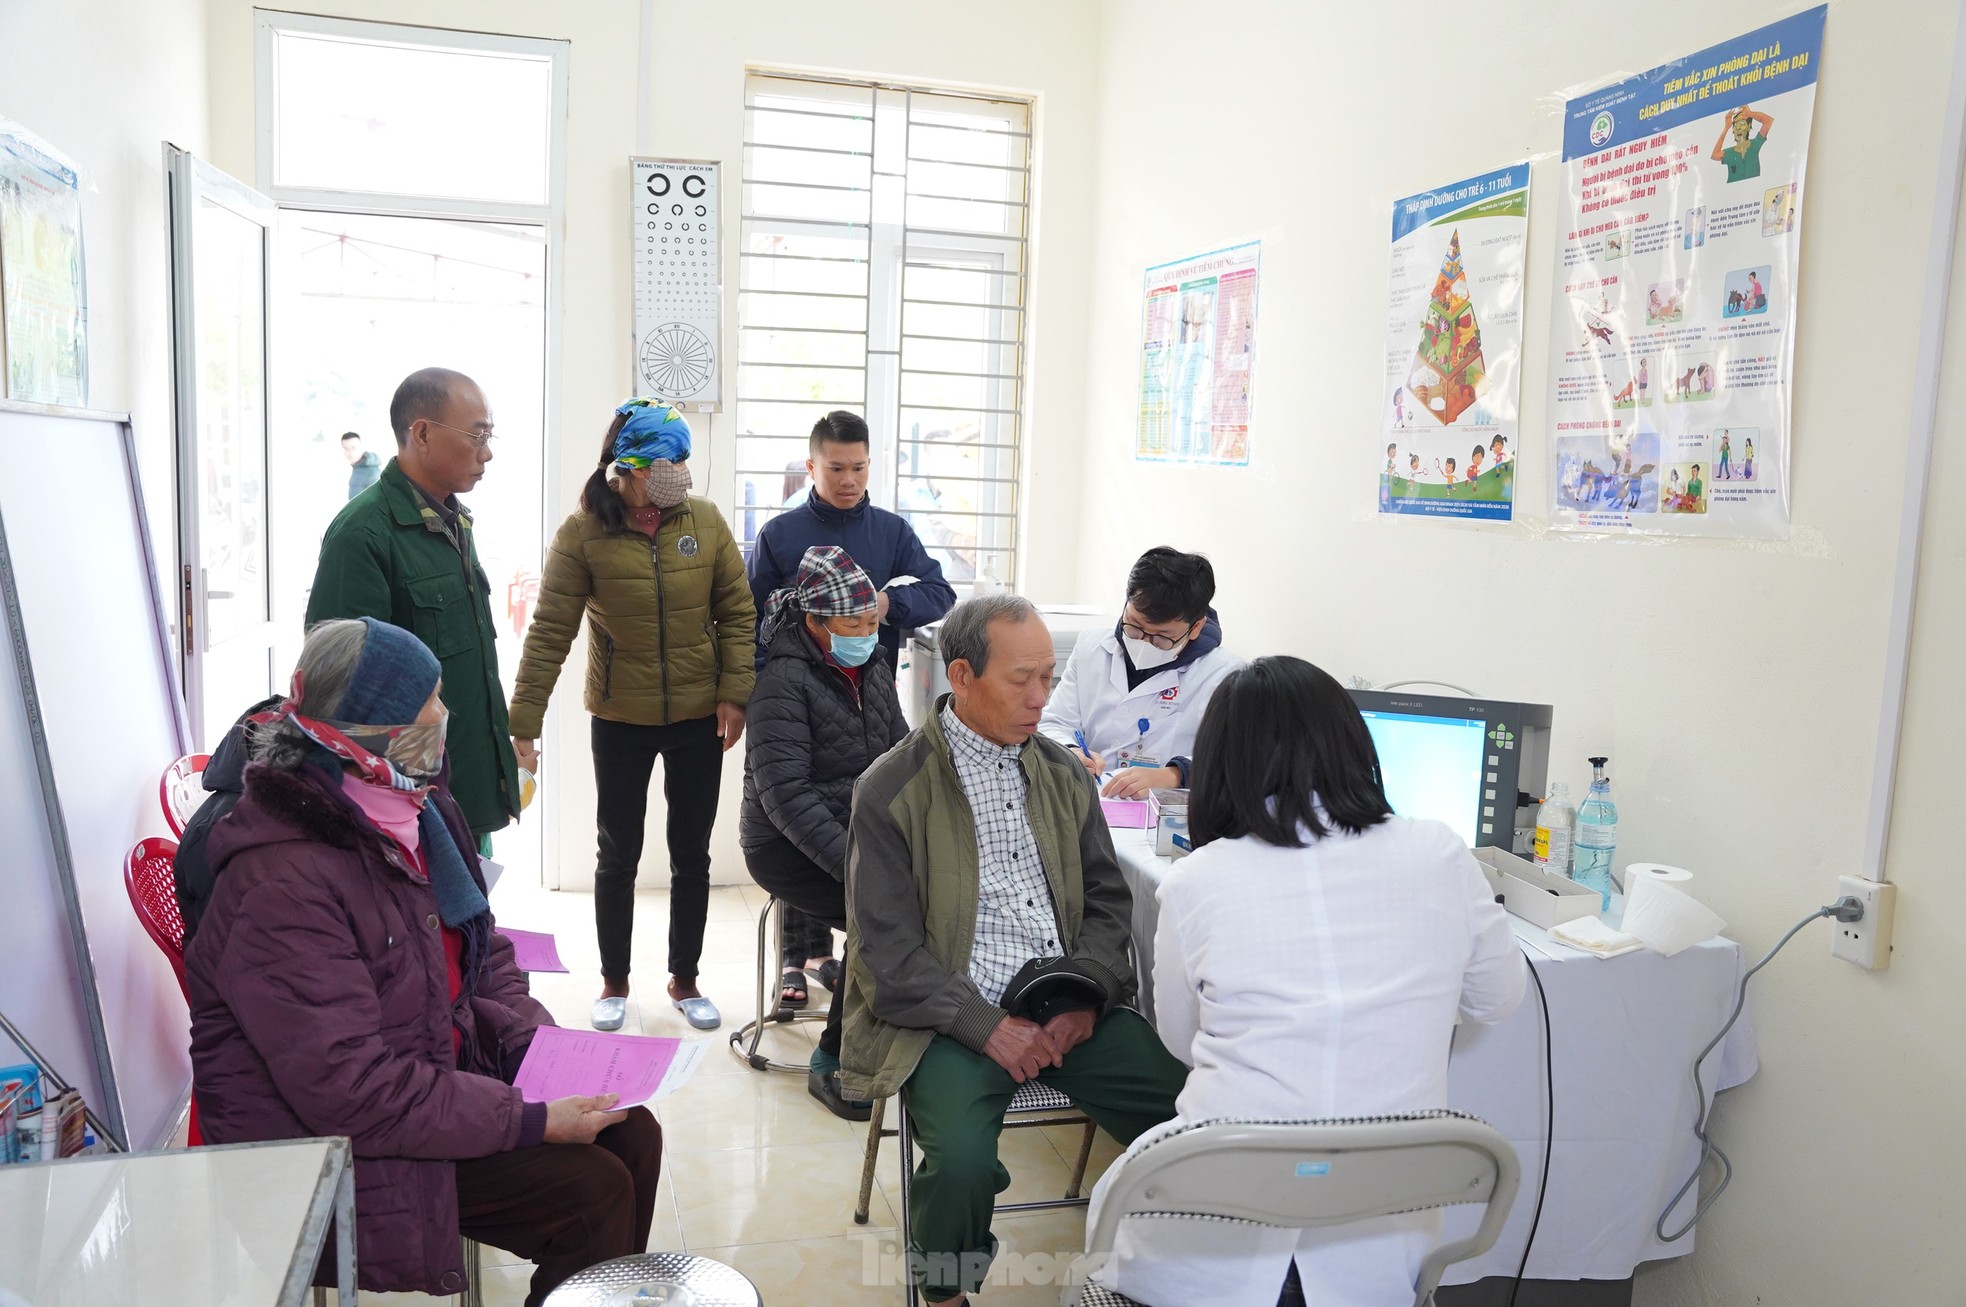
(1131, 699)
(405, 555)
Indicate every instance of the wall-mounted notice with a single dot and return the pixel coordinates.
(678, 282)
(44, 295)
(1454, 348)
(1673, 333)
(1198, 358)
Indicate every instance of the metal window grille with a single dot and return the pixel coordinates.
(882, 268)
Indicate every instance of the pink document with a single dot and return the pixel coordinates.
(533, 950)
(1125, 814)
(641, 1068)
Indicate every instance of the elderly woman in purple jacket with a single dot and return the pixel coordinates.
(346, 980)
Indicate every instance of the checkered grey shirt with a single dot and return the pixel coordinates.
(1014, 917)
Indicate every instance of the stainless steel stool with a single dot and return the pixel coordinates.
(701, 1282)
(745, 1039)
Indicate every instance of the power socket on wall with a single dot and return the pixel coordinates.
(1867, 942)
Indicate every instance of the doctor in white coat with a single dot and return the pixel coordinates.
(1312, 957)
(1131, 698)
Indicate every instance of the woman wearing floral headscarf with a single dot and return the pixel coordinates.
(670, 625)
(825, 708)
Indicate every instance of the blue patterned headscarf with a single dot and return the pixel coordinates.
(654, 433)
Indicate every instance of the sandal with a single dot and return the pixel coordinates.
(828, 973)
(792, 992)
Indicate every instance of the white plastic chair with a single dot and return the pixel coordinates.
(1303, 1174)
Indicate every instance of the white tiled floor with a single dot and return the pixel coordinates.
(755, 1173)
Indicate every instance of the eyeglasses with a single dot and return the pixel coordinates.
(1153, 638)
(478, 439)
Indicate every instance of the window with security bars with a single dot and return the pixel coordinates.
(882, 269)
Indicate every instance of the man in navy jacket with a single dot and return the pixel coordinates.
(838, 512)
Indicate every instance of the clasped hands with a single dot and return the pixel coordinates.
(1025, 1048)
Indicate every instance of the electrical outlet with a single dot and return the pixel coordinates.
(1868, 942)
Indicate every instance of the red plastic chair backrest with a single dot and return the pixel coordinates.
(153, 893)
(181, 791)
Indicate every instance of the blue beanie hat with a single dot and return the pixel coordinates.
(394, 678)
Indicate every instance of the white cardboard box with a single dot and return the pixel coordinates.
(1535, 895)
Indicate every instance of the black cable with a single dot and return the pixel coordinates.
(1549, 1125)
(1847, 908)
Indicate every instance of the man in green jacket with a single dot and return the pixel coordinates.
(404, 554)
(975, 846)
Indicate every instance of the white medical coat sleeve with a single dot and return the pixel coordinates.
(1497, 973)
(1062, 715)
(1177, 1002)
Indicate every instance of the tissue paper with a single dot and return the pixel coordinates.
(1661, 913)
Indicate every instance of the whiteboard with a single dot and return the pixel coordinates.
(100, 667)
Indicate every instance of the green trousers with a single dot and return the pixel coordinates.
(1122, 1077)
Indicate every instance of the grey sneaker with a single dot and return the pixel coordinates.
(609, 1013)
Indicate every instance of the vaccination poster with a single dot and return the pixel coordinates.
(43, 295)
(1673, 332)
(1454, 348)
(1197, 359)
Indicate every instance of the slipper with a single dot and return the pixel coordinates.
(792, 992)
(828, 973)
(699, 1012)
(609, 1013)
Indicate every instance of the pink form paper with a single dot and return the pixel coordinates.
(533, 950)
(641, 1068)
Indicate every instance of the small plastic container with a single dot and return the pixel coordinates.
(1170, 818)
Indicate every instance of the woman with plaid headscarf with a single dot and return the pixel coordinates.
(824, 709)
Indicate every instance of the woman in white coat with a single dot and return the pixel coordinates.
(1312, 957)
(1131, 698)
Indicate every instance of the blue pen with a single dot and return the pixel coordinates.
(1080, 737)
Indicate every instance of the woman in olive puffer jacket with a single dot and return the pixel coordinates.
(670, 630)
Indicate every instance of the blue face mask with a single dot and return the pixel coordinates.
(853, 650)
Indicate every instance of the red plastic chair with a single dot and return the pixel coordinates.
(153, 893)
(181, 791)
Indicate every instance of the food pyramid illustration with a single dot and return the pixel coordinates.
(1448, 370)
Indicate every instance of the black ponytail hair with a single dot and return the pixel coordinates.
(598, 497)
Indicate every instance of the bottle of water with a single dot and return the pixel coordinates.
(1555, 822)
(1597, 835)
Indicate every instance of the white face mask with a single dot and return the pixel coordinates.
(1145, 656)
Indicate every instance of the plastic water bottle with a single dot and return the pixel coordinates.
(1556, 820)
(1597, 835)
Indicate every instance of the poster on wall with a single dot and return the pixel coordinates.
(43, 290)
(1197, 359)
(678, 282)
(1673, 331)
(1454, 348)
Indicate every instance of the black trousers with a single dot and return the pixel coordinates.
(798, 882)
(692, 775)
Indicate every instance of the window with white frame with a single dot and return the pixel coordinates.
(882, 269)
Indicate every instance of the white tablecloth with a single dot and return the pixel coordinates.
(1624, 1031)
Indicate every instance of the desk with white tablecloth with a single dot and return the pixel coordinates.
(1624, 1032)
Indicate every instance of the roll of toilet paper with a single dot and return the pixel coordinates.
(1660, 911)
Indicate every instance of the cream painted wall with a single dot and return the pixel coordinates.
(143, 63)
(1734, 687)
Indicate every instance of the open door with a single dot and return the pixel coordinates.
(221, 233)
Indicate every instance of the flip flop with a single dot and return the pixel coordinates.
(699, 1012)
(828, 973)
(793, 981)
(609, 1013)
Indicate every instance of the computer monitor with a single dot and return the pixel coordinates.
(1479, 765)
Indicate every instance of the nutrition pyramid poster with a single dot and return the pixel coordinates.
(1454, 349)
(1672, 336)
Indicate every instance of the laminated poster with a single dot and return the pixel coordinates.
(1673, 330)
(1197, 359)
(1454, 349)
(43, 292)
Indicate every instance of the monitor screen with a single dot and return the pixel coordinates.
(1431, 766)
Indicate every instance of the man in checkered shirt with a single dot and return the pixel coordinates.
(975, 846)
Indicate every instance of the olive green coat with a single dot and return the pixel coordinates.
(382, 558)
(670, 628)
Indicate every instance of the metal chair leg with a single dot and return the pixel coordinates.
(474, 1281)
(872, 1161)
(905, 1139)
(320, 1298)
(1085, 1156)
(752, 1033)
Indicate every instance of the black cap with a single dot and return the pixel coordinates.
(1597, 762)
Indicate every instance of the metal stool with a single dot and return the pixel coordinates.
(1034, 1104)
(706, 1283)
(752, 1032)
(474, 1282)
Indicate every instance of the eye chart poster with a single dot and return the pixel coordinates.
(1197, 359)
(1454, 348)
(1673, 332)
(678, 282)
